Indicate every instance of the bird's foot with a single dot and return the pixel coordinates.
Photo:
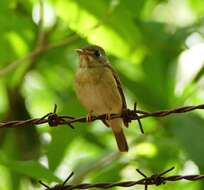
(108, 117)
(89, 117)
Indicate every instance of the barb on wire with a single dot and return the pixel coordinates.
(59, 186)
(128, 115)
(51, 118)
(155, 179)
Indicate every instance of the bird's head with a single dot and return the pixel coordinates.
(91, 56)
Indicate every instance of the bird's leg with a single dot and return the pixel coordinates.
(89, 116)
(108, 116)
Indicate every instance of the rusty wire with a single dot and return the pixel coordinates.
(155, 179)
(128, 115)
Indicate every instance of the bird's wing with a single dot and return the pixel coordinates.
(119, 86)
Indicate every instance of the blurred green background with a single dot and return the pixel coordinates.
(156, 46)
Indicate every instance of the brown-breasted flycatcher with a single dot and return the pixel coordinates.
(99, 89)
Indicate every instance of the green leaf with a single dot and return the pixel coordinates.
(189, 130)
(33, 169)
(29, 168)
(197, 6)
(61, 138)
(110, 32)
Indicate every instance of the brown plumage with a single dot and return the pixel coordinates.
(99, 89)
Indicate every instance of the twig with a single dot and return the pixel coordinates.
(42, 48)
(64, 42)
(155, 179)
(36, 52)
(38, 47)
(14, 64)
(128, 115)
(41, 33)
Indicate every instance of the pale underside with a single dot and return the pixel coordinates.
(97, 90)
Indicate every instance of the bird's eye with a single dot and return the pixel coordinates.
(97, 53)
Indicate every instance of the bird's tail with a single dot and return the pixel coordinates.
(116, 125)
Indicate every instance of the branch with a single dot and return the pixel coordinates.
(42, 48)
(14, 64)
(36, 51)
(64, 42)
(41, 45)
(41, 34)
(128, 115)
(155, 179)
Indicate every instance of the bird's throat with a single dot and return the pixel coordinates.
(87, 62)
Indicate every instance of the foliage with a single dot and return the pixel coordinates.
(151, 44)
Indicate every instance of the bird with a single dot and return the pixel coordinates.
(99, 90)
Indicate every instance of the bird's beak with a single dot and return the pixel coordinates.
(81, 51)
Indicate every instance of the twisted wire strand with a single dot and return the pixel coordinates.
(156, 179)
(128, 115)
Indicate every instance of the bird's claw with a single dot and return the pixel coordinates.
(89, 117)
(108, 117)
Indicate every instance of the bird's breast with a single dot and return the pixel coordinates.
(88, 76)
(97, 90)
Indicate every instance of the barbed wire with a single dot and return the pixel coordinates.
(155, 179)
(128, 115)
